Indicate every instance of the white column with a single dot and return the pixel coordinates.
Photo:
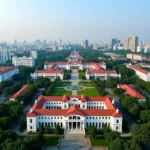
(76, 125)
(80, 125)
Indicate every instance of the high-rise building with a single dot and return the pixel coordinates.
(2, 57)
(60, 42)
(131, 43)
(85, 44)
(113, 43)
(139, 48)
(5, 55)
(147, 48)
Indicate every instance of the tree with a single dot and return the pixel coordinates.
(118, 91)
(23, 124)
(112, 136)
(57, 129)
(112, 82)
(145, 115)
(117, 144)
(47, 129)
(93, 133)
(16, 110)
(5, 122)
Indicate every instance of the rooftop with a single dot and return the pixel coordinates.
(74, 109)
(130, 90)
(20, 92)
(4, 69)
(138, 69)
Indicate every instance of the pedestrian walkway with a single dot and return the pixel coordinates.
(74, 142)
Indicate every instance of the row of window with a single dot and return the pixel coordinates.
(97, 117)
(50, 117)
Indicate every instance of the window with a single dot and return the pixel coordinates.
(105, 117)
(117, 121)
(116, 128)
(30, 127)
(30, 120)
(83, 106)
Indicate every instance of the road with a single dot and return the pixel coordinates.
(126, 116)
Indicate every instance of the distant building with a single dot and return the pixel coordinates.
(23, 61)
(131, 43)
(113, 44)
(60, 42)
(144, 65)
(147, 48)
(2, 57)
(130, 90)
(6, 73)
(5, 55)
(139, 57)
(141, 73)
(33, 54)
(139, 48)
(20, 92)
(85, 44)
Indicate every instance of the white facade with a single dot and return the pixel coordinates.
(139, 57)
(33, 54)
(74, 113)
(49, 75)
(6, 73)
(141, 73)
(23, 61)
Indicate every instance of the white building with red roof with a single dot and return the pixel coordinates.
(54, 70)
(139, 57)
(141, 73)
(20, 92)
(130, 90)
(74, 56)
(74, 113)
(7, 72)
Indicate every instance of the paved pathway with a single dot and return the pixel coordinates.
(74, 142)
(74, 80)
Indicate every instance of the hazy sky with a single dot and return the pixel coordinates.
(96, 20)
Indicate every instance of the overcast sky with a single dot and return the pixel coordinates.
(74, 20)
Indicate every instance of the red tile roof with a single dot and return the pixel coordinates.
(20, 92)
(4, 69)
(130, 90)
(138, 69)
(74, 109)
(49, 71)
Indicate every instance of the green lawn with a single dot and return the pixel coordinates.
(51, 140)
(86, 84)
(61, 84)
(60, 92)
(88, 92)
(99, 141)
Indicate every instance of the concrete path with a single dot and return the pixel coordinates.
(74, 142)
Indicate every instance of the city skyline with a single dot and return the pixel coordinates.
(73, 20)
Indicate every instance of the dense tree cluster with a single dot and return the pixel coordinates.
(10, 141)
(67, 74)
(82, 74)
(8, 113)
(100, 87)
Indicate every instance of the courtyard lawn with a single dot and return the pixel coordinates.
(61, 84)
(51, 140)
(60, 92)
(86, 84)
(88, 92)
(99, 141)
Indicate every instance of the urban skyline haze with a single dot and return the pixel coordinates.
(74, 20)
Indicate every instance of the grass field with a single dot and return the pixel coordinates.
(99, 141)
(88, 92)
(61, 84)
(86, 84)
(60, 92)
(51, 140)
